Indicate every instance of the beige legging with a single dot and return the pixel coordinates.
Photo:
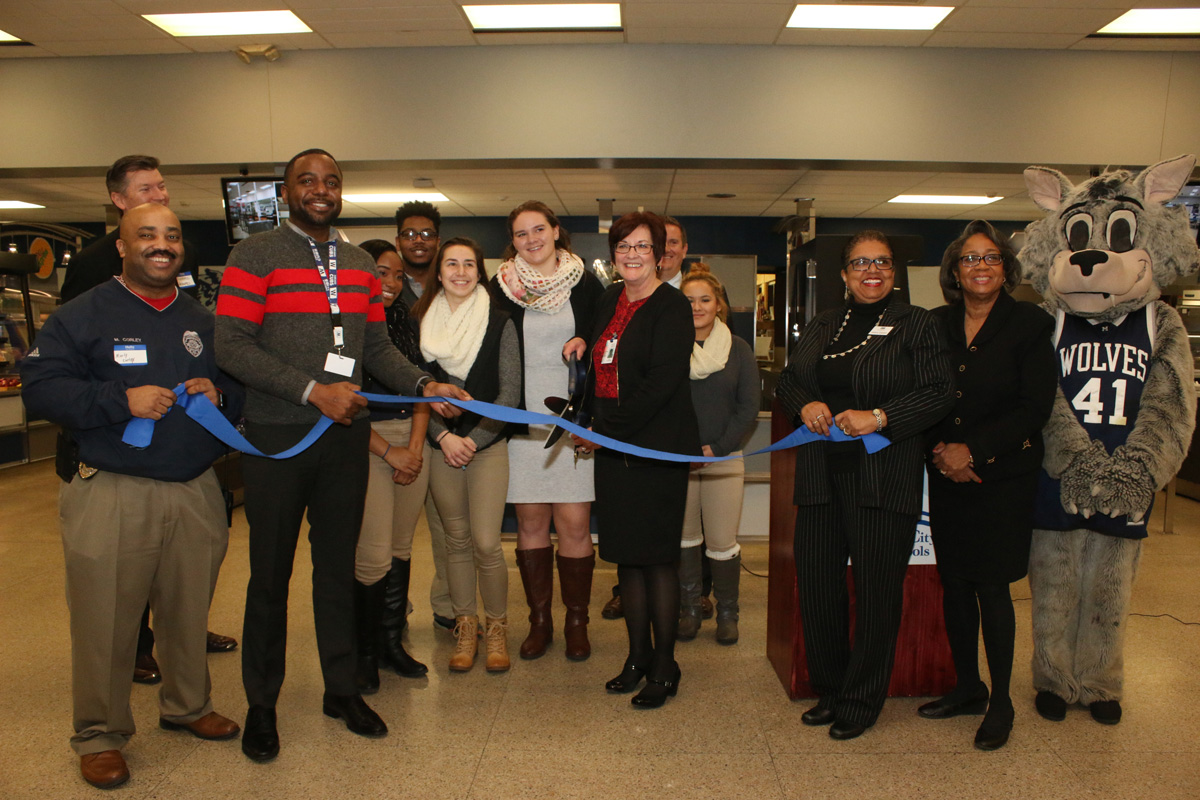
(391, 510)
(714, 508)
(471, 504)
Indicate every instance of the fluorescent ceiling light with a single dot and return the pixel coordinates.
(395, 197)
(872, 18)
(561, 16)
(230, 23)
(5, 36)
(945, 199)
(1155, 20)
(18, 204)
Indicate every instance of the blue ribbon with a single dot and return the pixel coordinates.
(139, 431)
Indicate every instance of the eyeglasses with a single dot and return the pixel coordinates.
(991, 259)
(883, 263)
(642, 248)
(426, 235)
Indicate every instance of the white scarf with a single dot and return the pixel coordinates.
(529, 288)
(453, 339)
(711, 356)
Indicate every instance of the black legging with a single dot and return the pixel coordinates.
(650, 596)
(967, 606)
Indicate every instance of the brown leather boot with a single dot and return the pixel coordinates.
(496, 638)
(465, 630)
(575, 580)
(537, 576)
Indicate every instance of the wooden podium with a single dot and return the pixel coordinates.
(923, 664)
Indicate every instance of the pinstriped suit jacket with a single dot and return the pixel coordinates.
(906, 373)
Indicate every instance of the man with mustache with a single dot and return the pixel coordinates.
(131, 181)
(138, 524)
(299, 320)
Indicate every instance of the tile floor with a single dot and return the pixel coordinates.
(548, 730)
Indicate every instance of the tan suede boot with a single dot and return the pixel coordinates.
(496, 636)
(465, 630)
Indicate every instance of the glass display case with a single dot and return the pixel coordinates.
(22, 313)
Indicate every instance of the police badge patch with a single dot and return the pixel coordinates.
(191, 341)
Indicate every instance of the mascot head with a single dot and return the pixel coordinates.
(1107, 245)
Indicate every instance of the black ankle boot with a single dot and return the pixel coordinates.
(391, 631)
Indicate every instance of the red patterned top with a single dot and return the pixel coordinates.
(606, 374)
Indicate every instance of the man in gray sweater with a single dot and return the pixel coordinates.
(299, 320)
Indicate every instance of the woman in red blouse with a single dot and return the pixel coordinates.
(640, 351)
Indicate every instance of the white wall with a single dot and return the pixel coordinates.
(607, 101)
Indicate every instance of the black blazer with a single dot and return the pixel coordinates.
(584, 296)
(1005, 383)
(654, 404)
(906, 373)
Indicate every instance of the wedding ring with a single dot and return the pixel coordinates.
(845, 430)
(820, 416)
(942, 471)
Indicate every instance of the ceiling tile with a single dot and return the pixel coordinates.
(708, 15)
(1028, 20)
(1013, 41)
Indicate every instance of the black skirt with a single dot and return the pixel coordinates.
(982, 531)
(640, 504)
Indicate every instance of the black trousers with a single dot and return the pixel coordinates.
(330, 481)
(852, 681)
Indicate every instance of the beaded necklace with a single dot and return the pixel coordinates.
(842, 327)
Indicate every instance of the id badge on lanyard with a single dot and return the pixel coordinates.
(334, 362)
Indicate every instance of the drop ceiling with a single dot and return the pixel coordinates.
(66, 28)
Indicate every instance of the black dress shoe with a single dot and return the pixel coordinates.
(260, 739)
(443, 622)
(217, 643)
(842, 730)
(145, 669)
(996, 726)
(657, 691)
(631, 675)
(1051, 706)
(951, 706)
(355, 712)
(1106, 712)
(818, 715)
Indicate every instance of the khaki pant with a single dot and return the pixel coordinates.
(390, 512)
(127, 540)
(471, 504)
(714, 507)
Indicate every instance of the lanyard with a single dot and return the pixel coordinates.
(329, 281)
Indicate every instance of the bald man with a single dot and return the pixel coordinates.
(138, 524)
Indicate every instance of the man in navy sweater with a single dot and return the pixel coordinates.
(138, 524)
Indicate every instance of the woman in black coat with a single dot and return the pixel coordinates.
(640, 351)
(875, 365)
(985, 457)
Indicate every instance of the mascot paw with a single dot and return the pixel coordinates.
(1078, 480)
(1123, 488)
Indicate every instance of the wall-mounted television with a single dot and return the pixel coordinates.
(252, 205)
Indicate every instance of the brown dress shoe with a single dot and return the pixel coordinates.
(220, 644)
(706, 606)
(104, 770)
(613, 608)
(145, 669)
(211, 726)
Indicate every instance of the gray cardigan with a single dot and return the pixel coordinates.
(727, 402)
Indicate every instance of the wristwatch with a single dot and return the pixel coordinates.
(878, 412)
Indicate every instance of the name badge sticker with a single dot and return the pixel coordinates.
(339, 365)
(610, 351)
(185, 280)
(131, 355)
(880, 330)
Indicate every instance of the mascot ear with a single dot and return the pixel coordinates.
(1047, 187)
(1162, 182)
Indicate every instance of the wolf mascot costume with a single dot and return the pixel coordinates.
(1122, 423)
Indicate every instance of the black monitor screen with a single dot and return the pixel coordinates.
(252, 205)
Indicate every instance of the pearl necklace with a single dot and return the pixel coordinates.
(841, 328)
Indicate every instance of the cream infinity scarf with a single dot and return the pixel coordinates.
(529, 288)
(453, 339)
(711, 356)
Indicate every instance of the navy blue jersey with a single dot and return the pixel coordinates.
(1102, 371)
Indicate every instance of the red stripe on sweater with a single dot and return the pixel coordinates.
(229, 305)
(241, 279)
(306, 302)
